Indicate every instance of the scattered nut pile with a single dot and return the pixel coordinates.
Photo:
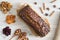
(5, 6)
(42, 9)
(10, 19)
(21, 35)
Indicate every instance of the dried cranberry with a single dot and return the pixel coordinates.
(7, 31)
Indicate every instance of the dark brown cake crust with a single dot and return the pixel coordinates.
(34, 20)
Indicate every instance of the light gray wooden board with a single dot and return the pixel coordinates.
(53, 20)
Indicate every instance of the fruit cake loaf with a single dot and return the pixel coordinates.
(34, 20)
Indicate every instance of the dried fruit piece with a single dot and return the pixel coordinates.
(10, 19)
(7, 31)
(5, 6)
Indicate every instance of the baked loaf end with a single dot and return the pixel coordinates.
(34, 20)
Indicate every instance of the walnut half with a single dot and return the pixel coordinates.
(5, 6)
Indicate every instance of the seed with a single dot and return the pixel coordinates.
(46, 14)
(48, 9)
(54, 6)
(35, 3)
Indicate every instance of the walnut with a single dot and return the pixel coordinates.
(17, 32)
(24, 33)
(21, 35)
(5, 6)
(23, 38)
(10, 19)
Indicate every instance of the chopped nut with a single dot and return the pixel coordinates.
(24, 33)
(17, 32)
(23, 38)
(5, 6)
(10, 19)
(52, 13)
(43, 6)
(52, 1)
(41, 10)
